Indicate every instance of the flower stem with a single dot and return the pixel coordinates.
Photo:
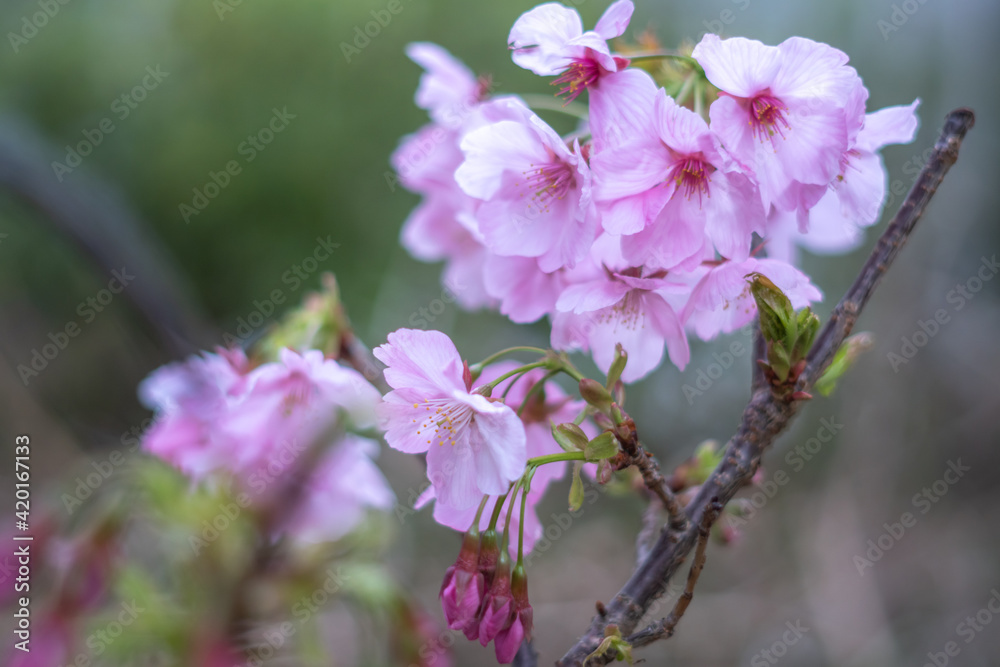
(516, 371)
(496, 511)
(512, 494)
(555, 458)
(479, 514)
(535, 388)
(526, 486)
(478, 368)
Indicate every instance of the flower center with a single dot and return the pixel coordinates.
(767, 117)
(627, 313)
(581, 74)
(445, 420)
(690, 177)
(553, 180)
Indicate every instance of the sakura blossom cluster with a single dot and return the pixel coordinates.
(217, 415)
(640, 225)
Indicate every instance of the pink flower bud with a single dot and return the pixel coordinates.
(509, 639)
(462, 588)
(498, 605)
(489, 553)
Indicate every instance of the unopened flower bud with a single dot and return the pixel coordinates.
(570, 437)
(617, 366)
(777, 317)
(462, 588)
(508, 640)
(595, 394)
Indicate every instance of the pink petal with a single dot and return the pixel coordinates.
(615, 19)
(538, 37)
(739, 66)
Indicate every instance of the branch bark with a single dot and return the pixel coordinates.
(766, 416)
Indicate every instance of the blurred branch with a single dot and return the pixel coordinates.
(766, 415)
(96, 219)
(526, 655)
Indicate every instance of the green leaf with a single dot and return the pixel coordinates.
(603, 446)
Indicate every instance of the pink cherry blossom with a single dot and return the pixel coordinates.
(784, 112)
(448, 89)
(553, 405)
(550, 40)
(508, 640)
(216, 416)
(674, 188)
(631, 305)
(348, 480)
(854, 199)
(474, 445)
(535, 191)
(721, 301)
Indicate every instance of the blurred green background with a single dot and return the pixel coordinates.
(226, 67)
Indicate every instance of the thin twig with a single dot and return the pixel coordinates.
(656, 483)
(664, 629)
(766, 415)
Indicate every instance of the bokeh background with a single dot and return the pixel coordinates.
(227, 66)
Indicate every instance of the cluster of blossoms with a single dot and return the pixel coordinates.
(484, 443)
(639, 227)
(217, 414)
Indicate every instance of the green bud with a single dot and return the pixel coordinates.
(320, 323)
(570, 437)
(617, 366)
(808, 326)
(595, 394)
(777, 317)
(603, 446)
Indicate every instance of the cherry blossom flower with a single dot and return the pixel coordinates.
(550, 40)
(721, 301)
(631, 305)
(475, 445)
(673, 189)
(551, 404)
(535, 191)
(508, 640)
(463, 586)
(346, 481)
(855, 197)
(448, 89)
(784, 112)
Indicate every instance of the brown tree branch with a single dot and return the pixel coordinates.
(664, 629)
(766, 416)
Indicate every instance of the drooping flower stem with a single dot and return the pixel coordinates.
(496, 511)
(479, 514)
(686, 60)
(517, 371)
(526, 486)
(535, 388)
(510, 512)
